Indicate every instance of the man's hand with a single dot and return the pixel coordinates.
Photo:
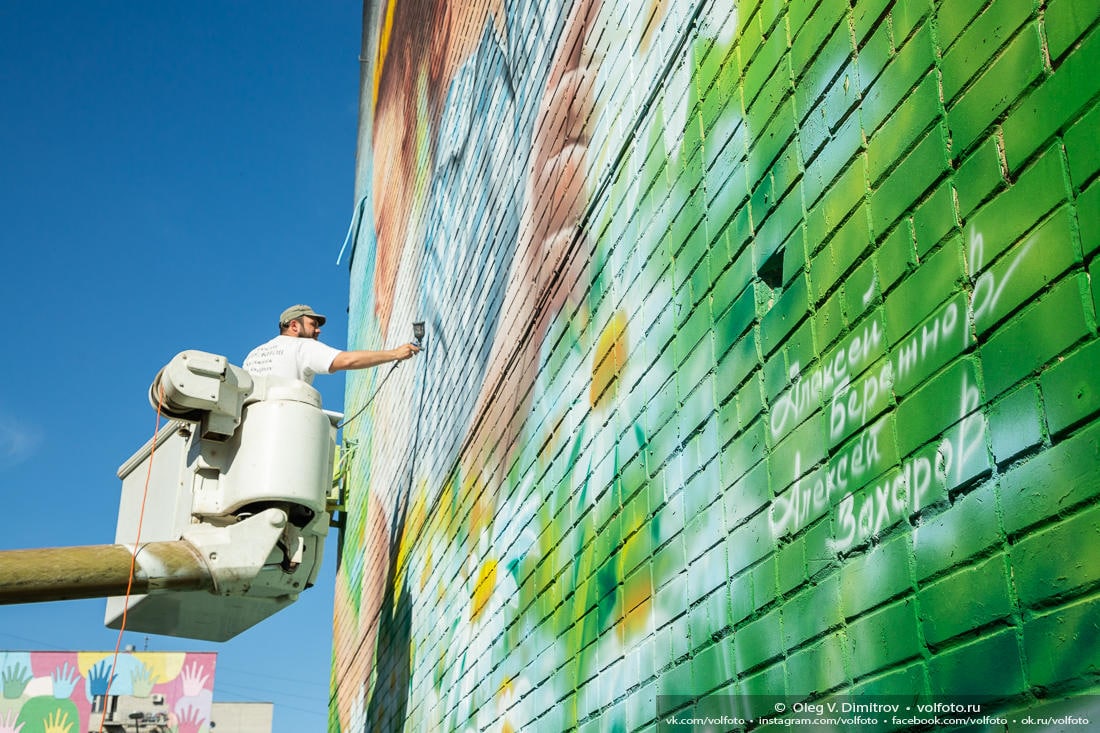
(404, 352)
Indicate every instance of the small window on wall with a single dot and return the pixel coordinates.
(104, 704)
(771, 270)
(770, 273)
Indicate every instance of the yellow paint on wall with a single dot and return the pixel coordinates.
(609, 360)
(483, 590)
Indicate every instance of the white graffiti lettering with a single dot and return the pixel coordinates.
(853, 405)
(987, 291)
(805, 393)
(895, 498)
(811, 496)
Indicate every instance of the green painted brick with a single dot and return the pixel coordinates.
(1035, 336)
(977, 177)
(763, 64)
(842, 94)
(934, 219)
(953, 18)
(742, 453)
(798, 11)
(921, 292)
(1094, 277)
(1052, 482)
(776, 376)
(907, 15)
(877, 576)
(894, 257)
(1088, 218)
(1081, 148)
(791, 566)
(800, 347)
(759, 689)
(794, 249)
(905, 126)
(1014, 424)
(803, 447)
(812, 34)
(766, 146)
(853, 407)
(868, 15)
(989, 668)
(935, 406)
(1058, 560)
(764, 583)
(784, 315)
(812, 612)
(913, 176)
(812, 135)
(875, 51)
(817, 668)
(741, 605)
(750, 400)
(819, 561)
(861, 290)
(1070, 389)
(747, 495)
(748, 543)
(1060, 98)
(996, 89)
(727, 193)
(848, 191)
(828, 320)
(913, 60)
(851, 242)
(824, 273)
(1066, 21)
(730, 285)
(786, 170)
(907, 683)
(688, 336)
(884, 638)
(758, 641)
(965, 529)
(836, 156)
(1063, 644)
(932, 344)
(771, 95)
(706, 575)
(977, 595)
(1025, 270)
(1002, 221)
(735, 365)
(713, 666)
(981, 39)
(782, 222)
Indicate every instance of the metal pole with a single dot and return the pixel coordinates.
(99, 571)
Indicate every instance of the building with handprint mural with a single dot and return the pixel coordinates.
(74, 692)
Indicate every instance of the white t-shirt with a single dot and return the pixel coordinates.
(290, 357)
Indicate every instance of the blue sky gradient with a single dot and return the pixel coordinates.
(174, 175)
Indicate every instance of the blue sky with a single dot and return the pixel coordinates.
(174, 175)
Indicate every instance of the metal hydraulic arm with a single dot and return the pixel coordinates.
(99, 571)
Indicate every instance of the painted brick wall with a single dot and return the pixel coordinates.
(762, 354)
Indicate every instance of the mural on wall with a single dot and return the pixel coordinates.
(760, 342)
(56, 692)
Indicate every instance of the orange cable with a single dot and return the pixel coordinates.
(133, 557)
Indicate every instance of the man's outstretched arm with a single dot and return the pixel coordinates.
(365, 359)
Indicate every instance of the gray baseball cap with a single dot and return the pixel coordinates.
(297, 311)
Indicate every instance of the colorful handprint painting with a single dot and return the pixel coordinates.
(67, 692)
